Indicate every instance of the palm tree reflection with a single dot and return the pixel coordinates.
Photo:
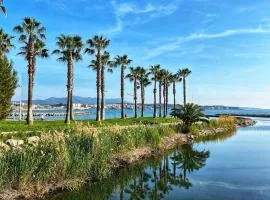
(152, 180)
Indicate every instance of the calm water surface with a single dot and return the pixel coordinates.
(236, 166)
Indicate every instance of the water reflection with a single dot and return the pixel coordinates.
(152, 180)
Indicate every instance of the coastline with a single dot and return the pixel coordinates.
(122, 160)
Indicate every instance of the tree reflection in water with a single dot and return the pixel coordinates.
(151, 180)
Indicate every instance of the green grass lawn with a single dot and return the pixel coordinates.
(21, 126)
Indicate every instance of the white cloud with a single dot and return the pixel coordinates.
(149, 11)
(203, 36)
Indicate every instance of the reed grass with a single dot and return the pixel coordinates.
(82, 152)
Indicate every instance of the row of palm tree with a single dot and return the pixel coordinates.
(141, 79)
(69, 50)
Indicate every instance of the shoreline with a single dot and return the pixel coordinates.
(122, 160)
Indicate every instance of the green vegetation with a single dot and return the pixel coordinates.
(82, 153)
(189, 114)
(8, 84)
(9, 126)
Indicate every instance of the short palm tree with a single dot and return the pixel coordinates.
(69, 50)
(97, 45)
(2, 8)
(189, 114)
(32, 35)
(144, 82)
(155, 72)
(184, 73)
(123, 62)
(5, 43)
(133, 76)
(106, 64)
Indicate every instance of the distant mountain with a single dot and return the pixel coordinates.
(76, 99)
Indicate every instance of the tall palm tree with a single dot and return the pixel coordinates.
(174, 79)
(134, 75)
(160, 81)
(123, 62)
(184, 73)
(69, 50)
(5, 43)
(165, 76)
(144, 82)
(2, 8)
(106, 64)
(97, 45)
(32, 35)
(155, 72)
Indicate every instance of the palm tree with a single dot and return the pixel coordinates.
(134, 75)
(184, 73)
(144, 82)
(32, 35)
(189, 114)
(122, 61)
(5, 43)
(2, 8)
(69, 51)
(155, 71)
(96, 46)
(160, 81)
(174, 79)
(165, 76)
(106, 64)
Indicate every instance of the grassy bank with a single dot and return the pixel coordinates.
(81, 153)
(68, 157)
(21, 126)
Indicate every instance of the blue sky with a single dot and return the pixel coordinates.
(226, 43)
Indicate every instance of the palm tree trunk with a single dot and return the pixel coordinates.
(102, 112)
(122, 91)
(167, 98)
(142, 99)
(71, 89)
(31, 71)
(160, 99)
(184, 90)
(98, 83)
(164, 99)
(135, 98)
(71, 106)
(174, 94)
(155, 98)
(30, 119)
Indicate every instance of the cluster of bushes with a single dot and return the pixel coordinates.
(80, 153)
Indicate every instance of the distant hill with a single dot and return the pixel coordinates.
(76, 99)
